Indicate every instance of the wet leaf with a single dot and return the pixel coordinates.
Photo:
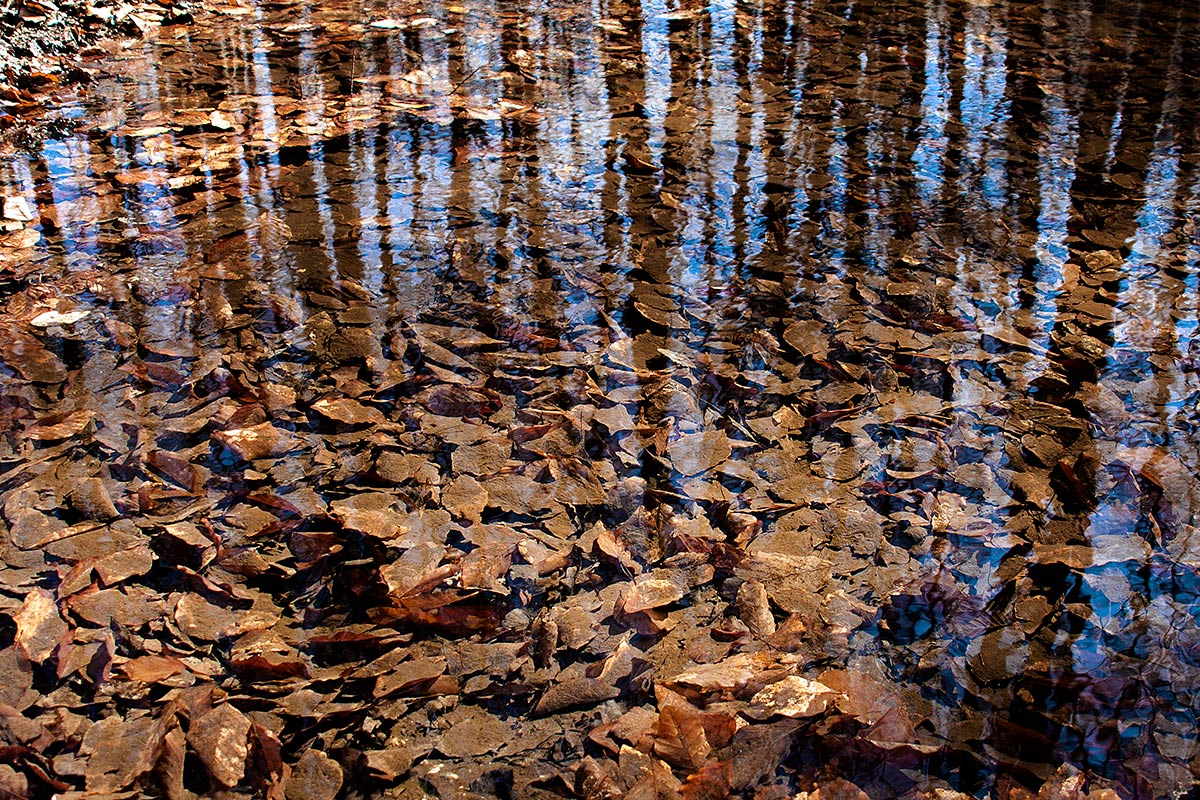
(694, 453)
(474, 734)
(17, 208)
(679, 738)
(257, 441)
(711, 782)
(219, 739)
(315, 777)
(40, 627)
(152, 669)
(754, 609)
(795, 697)
(575, 693)
(178, 471)
(29, 357)
(120, 751)
(347, 411)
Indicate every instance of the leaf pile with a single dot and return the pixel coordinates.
(462, 401)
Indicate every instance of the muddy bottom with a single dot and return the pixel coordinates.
(767, 400)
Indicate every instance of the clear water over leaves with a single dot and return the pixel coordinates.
(758, 400)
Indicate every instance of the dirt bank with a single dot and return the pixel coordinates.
(44, 47)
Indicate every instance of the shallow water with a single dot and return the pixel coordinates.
(889, 307)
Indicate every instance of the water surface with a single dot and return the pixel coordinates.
(423, 327)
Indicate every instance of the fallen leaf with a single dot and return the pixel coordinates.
(257, 441)
(575, 693)
(314, 777)
(17, 209)
(794, 697)
(175, 469)
(48, 319)
(348, 411)
(120, 751)
(40, 627)
(152, 669)
(219, 739)
(478, 732)
(754, 609)
(220, 120)
(694, 453)
(679, 738)
(652, 590)
(391, 763)
(710, 782)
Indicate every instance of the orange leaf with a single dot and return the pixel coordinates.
(711, 782)
(680, 738)
(152, 669)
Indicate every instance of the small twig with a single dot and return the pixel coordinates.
(465, 78)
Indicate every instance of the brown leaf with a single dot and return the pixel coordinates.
(894, 727)
(91, 499)
(219, 739)
(315, 777)
(757, 750)
(39, 625)
(257, 441)
(132, 607)
(410, 675)
(694, 453)
(371, 513)
(348, 411)
(794, 697)
(610, 544)
(808, 337)
(679, 738)
(170, 764)
(575, 693)
(754, 609)
(475, 733)
(733, 673)
(630, 727)
(175, 469)
(391, 763)
(862, 696)
(202, 620)
(152, 669)
(465, 498)
(461, 401)
(486, 566)
(120, 751)
(60, 425)
(124, 564)
(13, 785)
(653, 590)
(710, 782)
(657, 782)
(28, 356)
(416, 569)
